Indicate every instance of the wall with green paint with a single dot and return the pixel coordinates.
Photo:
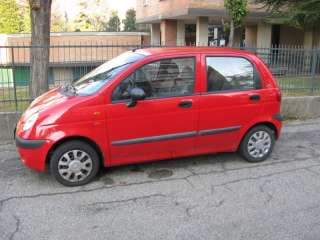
(6, 77)
(22, 76)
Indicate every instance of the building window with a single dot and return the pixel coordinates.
(145, 2)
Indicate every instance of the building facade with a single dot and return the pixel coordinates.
(199, 22)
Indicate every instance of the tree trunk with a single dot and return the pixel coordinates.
(231, 34)
(40, 13)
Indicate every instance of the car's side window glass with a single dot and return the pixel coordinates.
(164, 78)
(230, 73)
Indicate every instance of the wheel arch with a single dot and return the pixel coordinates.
(89, 141)
(271, 125)
(268, 124)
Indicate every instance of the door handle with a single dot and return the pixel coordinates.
(185, 104)
(254, 97)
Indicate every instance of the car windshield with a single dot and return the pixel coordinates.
(97, 78)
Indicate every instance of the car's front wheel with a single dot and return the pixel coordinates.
(74, 163)
(257, 144)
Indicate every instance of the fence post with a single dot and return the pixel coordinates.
(14, 79)
(313, 70)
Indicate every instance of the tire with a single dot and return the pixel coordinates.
(74, 163)
(260, 150)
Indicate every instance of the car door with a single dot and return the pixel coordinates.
(230, 100)
(162, 125)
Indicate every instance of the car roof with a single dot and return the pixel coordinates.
(186, 50)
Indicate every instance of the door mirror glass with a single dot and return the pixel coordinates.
(136, 94)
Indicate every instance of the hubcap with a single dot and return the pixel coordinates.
(75, 165)
(259, 144)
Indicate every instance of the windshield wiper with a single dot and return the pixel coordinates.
(119, 66)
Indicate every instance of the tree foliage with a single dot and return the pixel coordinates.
(89, 18)
(24, 12)
(10, 21)
(59, 20)
(237, 10)
(294, 12)
(83, 23)
(113, 23)
(130, 21)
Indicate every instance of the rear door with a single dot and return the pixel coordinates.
(164, 124)
(230, 99)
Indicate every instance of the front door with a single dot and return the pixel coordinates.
(231, 100)
(164, 124)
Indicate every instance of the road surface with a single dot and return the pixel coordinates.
(216, 196)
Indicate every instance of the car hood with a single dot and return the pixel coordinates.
(45, 101)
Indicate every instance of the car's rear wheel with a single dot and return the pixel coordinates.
(74, 163)
(257, 144)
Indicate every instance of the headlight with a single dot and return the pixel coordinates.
(30, 121)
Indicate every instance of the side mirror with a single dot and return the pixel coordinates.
(136, 94)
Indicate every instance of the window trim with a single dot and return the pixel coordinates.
(154, 98)
(256, 76)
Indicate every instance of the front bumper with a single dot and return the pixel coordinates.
(28, 144)
(33, 153)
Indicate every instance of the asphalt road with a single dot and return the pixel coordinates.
(206, 197)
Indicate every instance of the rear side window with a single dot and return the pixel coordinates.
(160, 79)
(231, 74)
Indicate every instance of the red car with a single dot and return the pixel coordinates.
(153, 104)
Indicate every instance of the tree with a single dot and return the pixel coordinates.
(98, 22)
(40, 13)
(237, 10)
(294, 12)
(58, 21)
(83, 23)
(113, 23)
(59, 18)
(89, 18)
(130, 21)
(90, 23)
(24, 12)
(9, 17)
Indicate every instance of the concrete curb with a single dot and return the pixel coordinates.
(292, 108)
(8, 121)
(300, 107)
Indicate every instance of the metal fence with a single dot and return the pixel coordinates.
(297, 70)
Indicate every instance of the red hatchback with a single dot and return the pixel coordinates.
(153, 104)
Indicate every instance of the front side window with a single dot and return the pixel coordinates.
(230, 73)
(163, 78)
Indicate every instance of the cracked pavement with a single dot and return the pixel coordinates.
(216, 196)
